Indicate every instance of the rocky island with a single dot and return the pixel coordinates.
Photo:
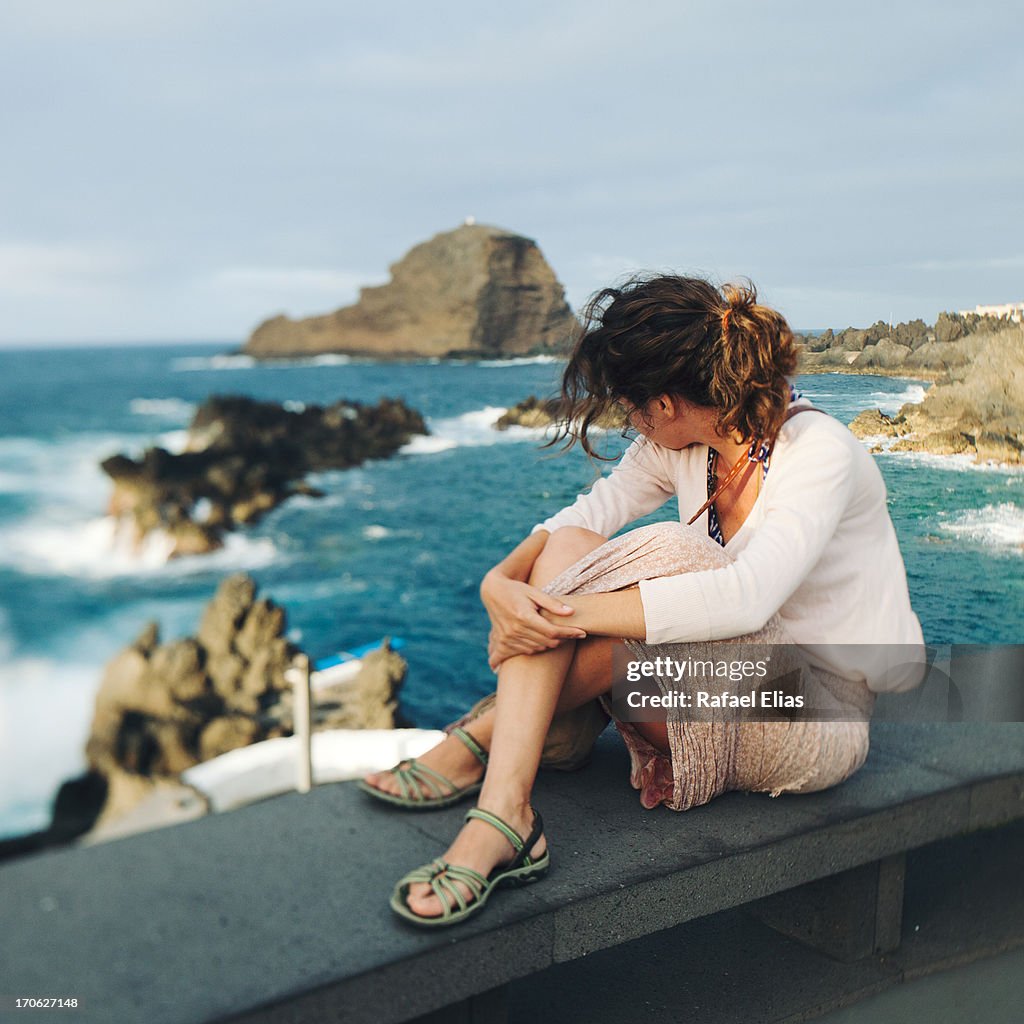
(244, 457)
(477, 291)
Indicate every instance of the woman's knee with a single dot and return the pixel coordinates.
(566, 546)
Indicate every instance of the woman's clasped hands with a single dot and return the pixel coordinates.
(518, 623)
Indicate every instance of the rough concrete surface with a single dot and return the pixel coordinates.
(278, 912)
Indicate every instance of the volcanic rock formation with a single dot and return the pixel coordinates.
(905, 349)
(477, 291)
(164, 707)
(244, 457)
(542, 412)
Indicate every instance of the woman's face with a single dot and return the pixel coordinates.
(673, 422)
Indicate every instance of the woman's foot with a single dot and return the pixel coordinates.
(480, 846)
(451, 758)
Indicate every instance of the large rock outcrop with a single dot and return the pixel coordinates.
(976, 407)
(244, 457)
(543, 412)
(477, 291)
(163, 707)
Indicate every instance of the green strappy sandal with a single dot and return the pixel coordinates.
(442, 876)
(442, 792)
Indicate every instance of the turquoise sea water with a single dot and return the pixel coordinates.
(397, 547)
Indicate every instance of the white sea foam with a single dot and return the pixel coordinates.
(520, 361)
(238, 361)
(891, 404)
(959, 463)
(45, 711)
(883, 441)
(241, 551)
(104, 547)
(329, 359)
(167, 408)
(1000, 526)
(218, 362)
(470, 430)
(375, 532)
(421, 444)
(63, 531)
(94, 548)
(173, 441)
(65, 471)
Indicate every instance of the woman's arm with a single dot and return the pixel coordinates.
(803, 509)
(619, 614)
(801, 518)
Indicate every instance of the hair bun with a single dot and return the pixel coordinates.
(740, 297)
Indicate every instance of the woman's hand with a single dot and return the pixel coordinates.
(517, 626)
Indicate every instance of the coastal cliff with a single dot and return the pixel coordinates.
(477, 291)
(912, 349)
(975, 407)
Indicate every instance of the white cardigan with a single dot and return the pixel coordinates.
(818, 547)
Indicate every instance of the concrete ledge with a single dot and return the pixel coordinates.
(964, 904)
(278, 912)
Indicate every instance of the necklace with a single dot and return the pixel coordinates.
(745, 457)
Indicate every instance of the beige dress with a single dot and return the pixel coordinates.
(712, 757)
(707, 758)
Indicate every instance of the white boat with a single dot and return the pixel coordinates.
(269, 768)
(345, 665)
(273, 766)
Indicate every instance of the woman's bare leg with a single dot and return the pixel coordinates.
(451, 757)
(517, 726)
(528, 687)
(588, 677)
(528, 693)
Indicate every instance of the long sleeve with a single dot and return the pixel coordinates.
(637, 485)
(805, 498)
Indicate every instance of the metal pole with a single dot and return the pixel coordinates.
(302, 704)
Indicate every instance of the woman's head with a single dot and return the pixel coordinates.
(680, 336)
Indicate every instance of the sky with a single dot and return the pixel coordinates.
(180, 170)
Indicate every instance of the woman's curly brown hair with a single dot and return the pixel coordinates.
(716, 348)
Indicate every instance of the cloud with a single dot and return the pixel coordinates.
(63, 269)
(101, 19)
(291, 279)
(796, 146)
(969, 263)
(249, 293)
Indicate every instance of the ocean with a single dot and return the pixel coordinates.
(396, 548)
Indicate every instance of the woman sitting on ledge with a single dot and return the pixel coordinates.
(791, 544)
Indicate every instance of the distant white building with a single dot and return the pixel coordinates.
(1013, 310)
